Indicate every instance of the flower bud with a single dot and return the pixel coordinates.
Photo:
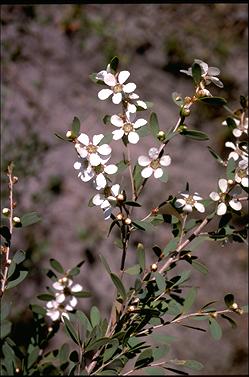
(214, 315)
(120, 197)
(131, 308)
(153, 267)
(127, 221)
(185, 112)
(6, 211)
(69, 134)
(64, 279)
(50, 329)
(230, 181)
(135, 301)
(15, 179)
(17, 370)
(119, 216)
(187, 100)
(155, 211)
(8, 261)
(161, 135)
(234, 306)
(16, 220)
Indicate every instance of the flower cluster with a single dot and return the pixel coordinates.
(64, 300)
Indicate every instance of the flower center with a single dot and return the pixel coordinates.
(91, 148)
(241, 173)
(98, 169)
(190, 200)
(67, 291)
(117, 88)
(223, 196)
(155, 164)
(127, 127)
(107, 191)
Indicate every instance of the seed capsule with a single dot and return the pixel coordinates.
(119, 216)
(235, 306)
(5, 211)
(161, 135)
(127, 221)
(153, 267)
(16, 220)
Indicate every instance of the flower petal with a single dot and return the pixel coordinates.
(196, 196)
(179, 203)
(60, 297)
(94, 159)
(83, 139)
(115, 189)
(104, 149)
(98, 199)
(142, 104)
(235, 204)
(77, 165)
(116, 121)
(213, 71)
(129, 88)
(146, 172)
(107, 213)
(133, 137)
(233, 155)
(229, 144)
(140, 122)
(76, 288)
(58, 286)
(109, 79)
(221, 209)
(165, 160)
(64, 315)
(117, 134)
(158, 173)
(131, 108)
(200, 207)
(123, 76)
(245, 181)
(97, 139)
(214, 196)
(143, 160)
(101, 180)
(237, 132)
(105, 204)
(117, 98)
(73, 301)
(111, 169)
(54, 315)
(223, 184)
(188, 208)
(104, 94)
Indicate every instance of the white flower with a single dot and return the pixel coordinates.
(100, 75)
(94, 152)
(153, 163)
(209, 74)
(189, 202)
(107, 199)
(117, 86)
(241, 173)
(88, 172)
(57, 309)
(241, 126)
(222, 196)
(131, 107)
(127, 127)
(238, 152)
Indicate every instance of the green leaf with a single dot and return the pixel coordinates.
(5, 328)
(177, 99)
(71, 331)
(196, 73)
(5, 310)
(33, 356)
(76, 127)
(171, 246)
(93, 78)
(112, 348)
(230, 320)
(122, 165)
(216, 101)
(132, 203)
(61, 137)
(160, 280)
(143, 131)
(82, 294)
(14, 283)
(165, 177)
(189, 299)
(193, 364)
(141, 255)
(144, 359)
(134, 270)
(142, 225)
(11, 269)
(46, 297)
(195, 135)
(19, 257)
(215, 155)
(97, 344)
(106, 265)
(165, 339)
(138, 179)
(114, 63)
(245, 308)
(229, 300)
(107, 119)
(9, 358)
(215, 328)
(73, 272)
(154, 371)
(160, 351)
(231, 122)
(106, 139)
(200, 267)
(95, 316)
(183, 277)
(56, 265)
(30, 218)
(5, 233)
(38, 309)
(154, 126)
(119, 285)
(84, 320)
(64, 352)
(230, 170)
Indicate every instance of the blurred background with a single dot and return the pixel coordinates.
(48, 53)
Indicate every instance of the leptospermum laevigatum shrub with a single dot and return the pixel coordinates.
(158, 297)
